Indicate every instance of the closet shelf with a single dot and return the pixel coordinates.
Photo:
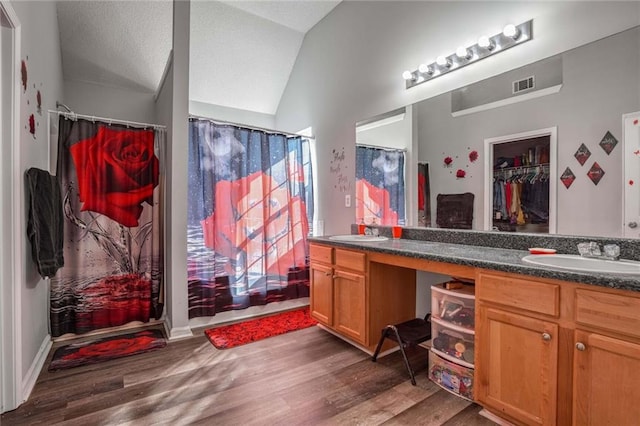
(529, 167)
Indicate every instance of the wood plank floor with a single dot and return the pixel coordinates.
(307, 377)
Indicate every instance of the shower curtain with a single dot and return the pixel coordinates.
(379, 186)
(249, 200)
(110, 183)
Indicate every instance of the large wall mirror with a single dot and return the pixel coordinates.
(582, 94)
(383, 179)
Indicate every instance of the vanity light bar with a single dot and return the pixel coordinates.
(512, 35)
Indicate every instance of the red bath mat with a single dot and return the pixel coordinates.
(107, 348)
(228, 336)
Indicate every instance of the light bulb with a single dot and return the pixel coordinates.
(407, 75)
(442, 61)
(425, 69)
(511, 31)
(485, 43)
(463, 53)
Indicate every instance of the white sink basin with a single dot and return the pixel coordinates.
(358, 238)
(584, 264)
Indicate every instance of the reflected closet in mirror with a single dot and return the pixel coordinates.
(520, 191)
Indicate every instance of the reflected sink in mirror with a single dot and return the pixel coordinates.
(584, 264)
(358, 238)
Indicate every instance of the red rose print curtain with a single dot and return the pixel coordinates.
(110, 184)
(250, 204)
(379, 186)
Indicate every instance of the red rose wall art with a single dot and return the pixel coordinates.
(112, 275)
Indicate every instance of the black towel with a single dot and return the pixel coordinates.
(45, 221)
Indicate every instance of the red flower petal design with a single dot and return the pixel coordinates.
(117, 171)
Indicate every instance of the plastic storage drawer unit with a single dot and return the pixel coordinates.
(451, 377)
(454, 306)
(453, 343)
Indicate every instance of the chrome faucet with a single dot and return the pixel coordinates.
(371, 231)
(592, 249)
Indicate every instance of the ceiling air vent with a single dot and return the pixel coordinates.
(524, 84)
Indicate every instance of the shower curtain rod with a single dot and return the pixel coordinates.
(74, 116)
(385, 148)
(246, 126)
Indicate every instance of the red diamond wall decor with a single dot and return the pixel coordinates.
(567, 177)
(582, 154)
(595, 173)
(608, 142)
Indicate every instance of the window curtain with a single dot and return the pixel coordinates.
(250, 204)
(110, 179)
(379, 186)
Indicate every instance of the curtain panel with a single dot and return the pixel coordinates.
(113, 243)
(250, 205)
(379, 186)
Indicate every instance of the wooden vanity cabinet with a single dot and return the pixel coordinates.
(517, 352)
(338, 290)
(606, 372)
(349, 307)
(356, 298)
(557, 353)
(321, 293)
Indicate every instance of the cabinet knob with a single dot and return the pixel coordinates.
(580, 346)
(328, 274)
(546, 337)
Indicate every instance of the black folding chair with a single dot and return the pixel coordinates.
(406, 334)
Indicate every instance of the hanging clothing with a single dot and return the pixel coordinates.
(110, 182)
(44, 221)
(250, 204)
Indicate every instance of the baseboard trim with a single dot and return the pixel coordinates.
(31, 377)
(176, 333)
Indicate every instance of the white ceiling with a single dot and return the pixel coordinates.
(242, 52)
(115, 43)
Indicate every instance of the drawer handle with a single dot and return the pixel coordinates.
(546, 337)
(580, 346)
(328, 274)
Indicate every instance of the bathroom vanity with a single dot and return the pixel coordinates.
(551, 346)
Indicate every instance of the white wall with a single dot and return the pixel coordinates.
(350, 64)
(591, 102)
(232, 115)
(109, 102)
(41, 51)
(173, 109)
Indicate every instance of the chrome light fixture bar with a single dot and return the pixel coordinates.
(512, 35)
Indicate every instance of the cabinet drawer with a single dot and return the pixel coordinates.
(353, 260)
(321, 254)
(452, 377)
(529, 295)
(615, 312)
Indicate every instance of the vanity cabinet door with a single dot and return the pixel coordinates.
(606, 385)
(350, 305)
(517, 365)
(321, 293)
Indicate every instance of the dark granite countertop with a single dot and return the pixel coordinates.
(496, 258)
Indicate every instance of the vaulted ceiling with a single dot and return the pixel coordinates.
(241, 55)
